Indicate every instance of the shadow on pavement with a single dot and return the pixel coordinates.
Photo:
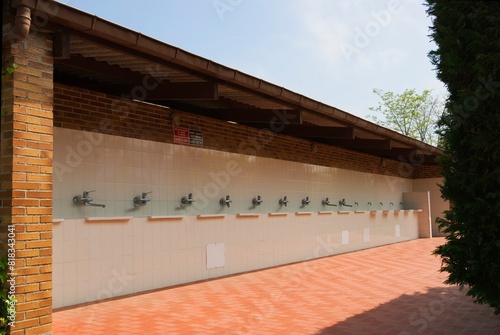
(437, 311)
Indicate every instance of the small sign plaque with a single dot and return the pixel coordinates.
(188, 137)
(181, 135)
(196, 138)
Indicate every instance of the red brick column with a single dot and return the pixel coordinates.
(26, 178)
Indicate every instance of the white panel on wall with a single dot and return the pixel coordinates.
(366, 235)
(216, 256)
(398, 230)
(345, 237)
(437, 204)
(421, 201)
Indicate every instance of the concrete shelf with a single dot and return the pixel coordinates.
(277, 214)
(166, 217)
(109, 219)
(211, 216)
(412, 210)
(248, 215)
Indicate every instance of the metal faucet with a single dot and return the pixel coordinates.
(188, 200)
(143, 200)
(326, 202)
(256, 201)
(305, 201)
(343, 203)
(86, 200)
(283, 201)
(225, 201)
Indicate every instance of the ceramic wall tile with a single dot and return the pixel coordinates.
(171, 251)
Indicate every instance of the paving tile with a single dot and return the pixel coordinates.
(394, 290)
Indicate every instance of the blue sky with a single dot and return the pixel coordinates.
(334, 51)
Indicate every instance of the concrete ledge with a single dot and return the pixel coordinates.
(211, 216)
(277, 214)
(109, 219)
(247, 215)
(167, 217)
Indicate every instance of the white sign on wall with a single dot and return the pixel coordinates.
(345, 237)
(366, 235)
(216, 255)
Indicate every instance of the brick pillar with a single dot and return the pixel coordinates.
(26, 177)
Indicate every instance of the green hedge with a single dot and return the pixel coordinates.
(467, 60)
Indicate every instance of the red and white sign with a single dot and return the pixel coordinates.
(181, 135)
(188, 137)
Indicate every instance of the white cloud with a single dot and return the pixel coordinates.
(392, 56)
(323, 32)
(342, 33)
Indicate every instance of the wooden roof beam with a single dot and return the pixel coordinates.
(360, 143)
(313, 132)
(61, 45)
(404, 155)
(180, 91)
(142, 86)
(393, 152)
(256, 117)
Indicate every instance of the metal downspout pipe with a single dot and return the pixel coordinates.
(21, 28)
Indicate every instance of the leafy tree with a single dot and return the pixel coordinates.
(467, 60)
(409, 113)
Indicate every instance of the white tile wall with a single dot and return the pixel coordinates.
(141, 254)
(97, 260)
(118, 169)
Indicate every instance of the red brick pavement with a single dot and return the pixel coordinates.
(395, 289)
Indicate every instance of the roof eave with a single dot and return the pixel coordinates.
(86, 23)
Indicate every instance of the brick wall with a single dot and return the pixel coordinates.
(82, 109)
(427, 171)
(26, 178)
